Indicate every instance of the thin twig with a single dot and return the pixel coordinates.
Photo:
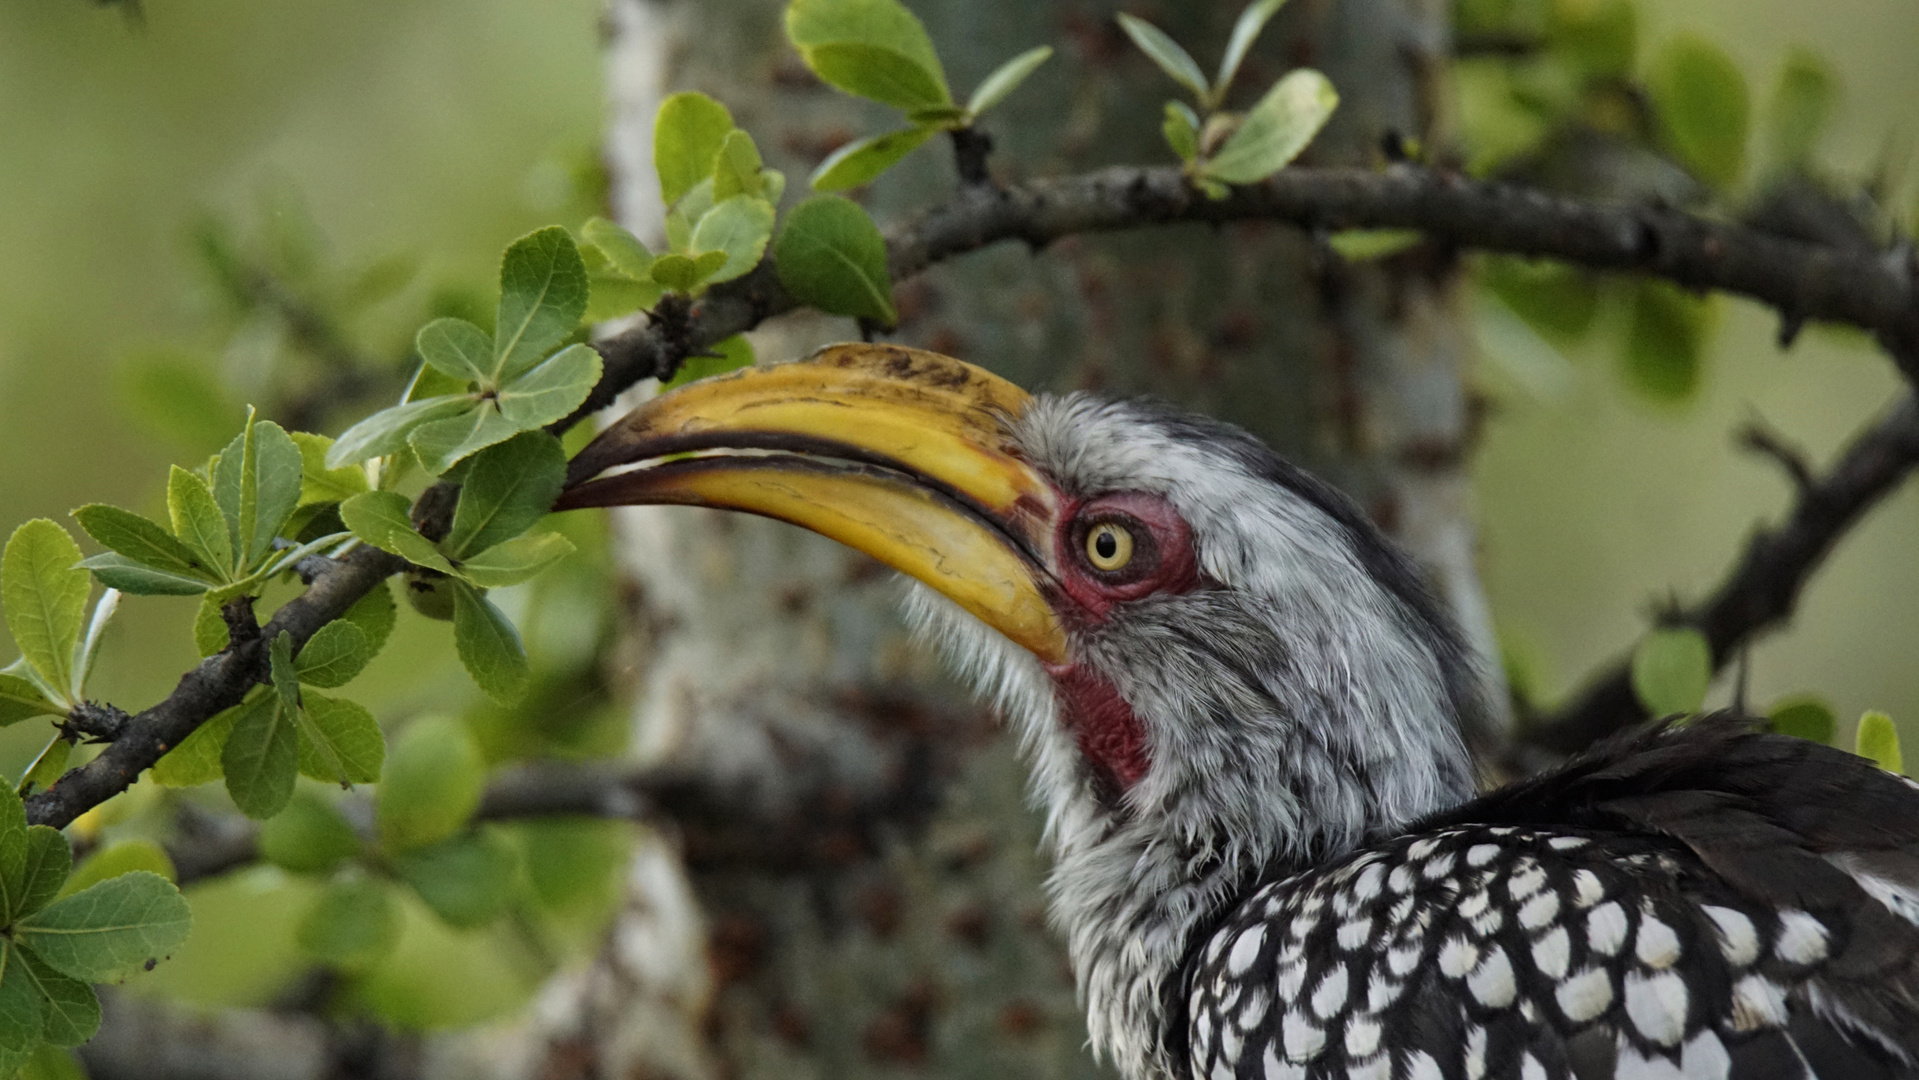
(1762, 589)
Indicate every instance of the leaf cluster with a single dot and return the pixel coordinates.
(423, 841)
(507, 488)
(878, 50)
(477, 389)
(1222, 148)
(58, 935)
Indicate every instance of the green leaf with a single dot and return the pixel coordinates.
(1598, 37)
(20, 699)
(141, 540)
(23, 1009)
(937, 117)
(1804, 718)
(687, 134)
(72, 1013)
(1167, 53)
(434, 779)
(466, 880)
(45, 596)
(683, 216)
(736, 171)
(879, 74)
(879, 24)
(552, 390)
(256, 482)
(1360, 245)
(46, 767)
(516, 560)
(830, 255)
(456, 348)
(343, 734)
(1700, 98)
(210, 627)
(382, 518)
(1276, 129)
(375, 614)
(139, 579)
(117, 858)
(353, 925)
(488, 645)
(572, 862)
(308, 837)
(49, 861)
(730, 355)
(13, 852)
(1802, 105)
(612, 296)
(334, 655)
(542, 296)
(1181, 129)
(1878, 740)
(507, 489)
(197, 759)
(261, 760)
(622, 249)
(440, 444)
(109, 930)
(386, 431)
(676, 272)
(1004, 79)
(197, 520)
(861, 161)
(1557, 300)
(319, 484)
(1245, 31)
(740, 227)
(283, 673)
(1666, 346)
(1671, 670)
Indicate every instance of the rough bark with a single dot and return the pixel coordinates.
(909, 937)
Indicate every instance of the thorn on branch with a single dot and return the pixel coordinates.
(96, 721)
(243, 626)
(1789, 327)
(971, 147)
(1762, 440)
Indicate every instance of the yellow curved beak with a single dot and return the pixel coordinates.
(899, 453)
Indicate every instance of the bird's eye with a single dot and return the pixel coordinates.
(1109, 546)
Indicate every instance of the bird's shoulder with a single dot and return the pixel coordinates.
(1713, 903)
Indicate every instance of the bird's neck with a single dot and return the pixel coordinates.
(1268, 783)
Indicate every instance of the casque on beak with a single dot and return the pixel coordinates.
(896, 452)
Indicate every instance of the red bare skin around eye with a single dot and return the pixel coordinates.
(1103, 724)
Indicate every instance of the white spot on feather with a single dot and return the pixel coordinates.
(1738, 940)
(1757, 1002)
(1656, 945)
(1329, 997)
(1246, 950)
(1802, 938)
(1552, 953)
(1606, 928)
(1492, 981)
(1586, 995)
(1481, 854)
(1303, 1038)
(1587, 888)
(1539, 911)
(1656, 1005)
(1705, 1058)
(1457, 957)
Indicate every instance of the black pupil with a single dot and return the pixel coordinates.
(1106, 544)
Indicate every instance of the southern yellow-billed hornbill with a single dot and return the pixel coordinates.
(1243, 713)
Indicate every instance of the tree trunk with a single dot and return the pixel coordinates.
(896, 926)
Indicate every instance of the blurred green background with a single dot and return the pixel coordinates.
(446, 128)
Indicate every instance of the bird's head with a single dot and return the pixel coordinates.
(1196, 639)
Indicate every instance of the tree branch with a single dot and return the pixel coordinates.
(1762, 589)
(218, 683)
(1875, 291)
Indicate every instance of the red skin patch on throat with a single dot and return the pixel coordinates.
(1108, 733)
